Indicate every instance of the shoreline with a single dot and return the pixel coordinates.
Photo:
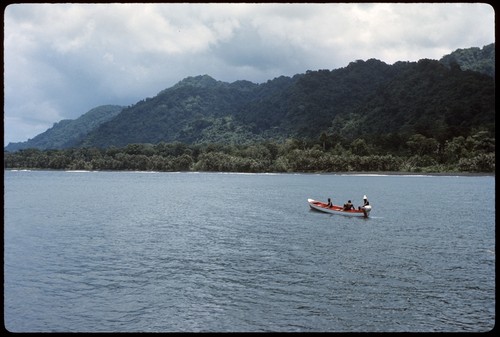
(401, 173)
(358, 173)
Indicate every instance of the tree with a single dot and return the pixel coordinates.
(323, 138)
(420, 145)
(359, 147)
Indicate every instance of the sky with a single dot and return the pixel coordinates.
(62, 60)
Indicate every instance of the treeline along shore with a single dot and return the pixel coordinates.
(418, 154)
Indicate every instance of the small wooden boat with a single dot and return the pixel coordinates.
(362, 211)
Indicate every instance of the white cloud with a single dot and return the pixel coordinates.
(62, 60)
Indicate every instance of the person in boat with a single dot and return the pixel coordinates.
(348, 206)
(365, 202)
(329, 203)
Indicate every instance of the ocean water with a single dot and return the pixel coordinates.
(214, 252)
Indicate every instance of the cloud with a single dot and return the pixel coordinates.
(62, 60)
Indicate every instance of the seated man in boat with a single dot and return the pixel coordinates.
(348, 206)
(329, 203)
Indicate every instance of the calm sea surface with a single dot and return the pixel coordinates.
(174, 252)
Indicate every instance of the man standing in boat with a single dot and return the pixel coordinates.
(365, 202)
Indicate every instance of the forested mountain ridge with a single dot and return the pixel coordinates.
(198, 109)
(68, 133)
(423, 98)
(365, 100)
(477, 59)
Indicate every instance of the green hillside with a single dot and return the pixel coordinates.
(477, 59)
(367, 99)
(68, 133)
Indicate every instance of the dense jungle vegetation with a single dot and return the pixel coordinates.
(474, 154)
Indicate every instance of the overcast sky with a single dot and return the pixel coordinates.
(62, 60)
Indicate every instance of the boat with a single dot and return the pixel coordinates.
(362, 211)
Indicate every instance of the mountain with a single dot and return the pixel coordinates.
(423, 97)
(366, 99)
(184, 112)
(475, 59)
(67, 133)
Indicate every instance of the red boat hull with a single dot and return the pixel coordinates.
(336, 209)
